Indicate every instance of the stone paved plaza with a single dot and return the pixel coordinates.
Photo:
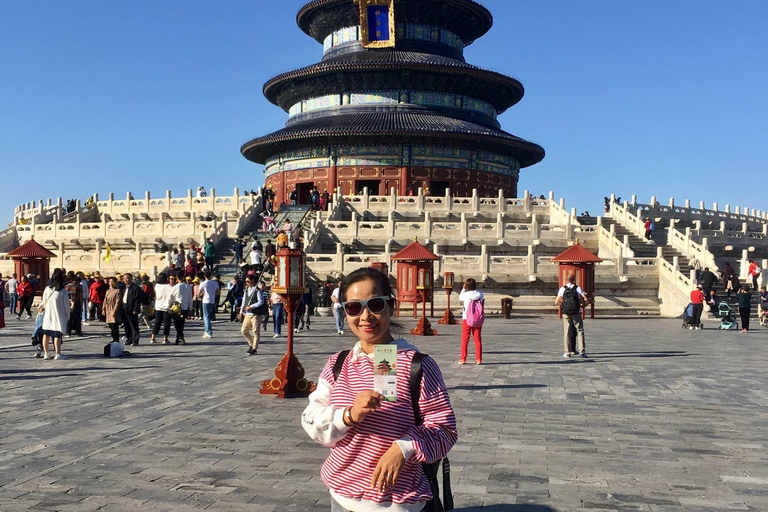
(657, 419)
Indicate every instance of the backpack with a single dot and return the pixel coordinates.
(430, 470)
(652, 226)
(570, 301)
(475, 315)
(116, 349)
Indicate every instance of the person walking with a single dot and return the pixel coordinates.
(163, 302)
(182, 294)
(234, 298)
(207, 294)
(57, 309)
(112, 309)
(276, 303)
(269, 251)
(75, 290)
(255, 259)
(238, 248)
(754, 273)
(148, 300)
(12, 287)
(377, 447)
(197, 303)
(572, 298)
(648, 229)
(132, 300)
(745, 307)
(26, 294)
(96, 293)
(210, 253)
(697, 300)
(85, 285)
(696, 265)
(338, 310)
(472, 313)
(252, 309)
(309, 310)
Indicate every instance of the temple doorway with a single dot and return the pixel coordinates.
(373, 187)
(303, 190)
(438, 188)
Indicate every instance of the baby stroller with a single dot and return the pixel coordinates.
(688, 317)
(729, 321)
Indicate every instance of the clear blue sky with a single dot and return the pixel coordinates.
(664, 98)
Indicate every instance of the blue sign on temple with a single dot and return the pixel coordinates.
(378, 23)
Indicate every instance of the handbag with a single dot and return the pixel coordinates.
(176, 309)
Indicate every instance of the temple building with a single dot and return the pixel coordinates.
(393, 104)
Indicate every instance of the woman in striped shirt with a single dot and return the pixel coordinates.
(376, 446)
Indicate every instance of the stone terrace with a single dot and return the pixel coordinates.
(658, 419)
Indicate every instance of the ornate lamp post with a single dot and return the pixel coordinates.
(290, 282)
(423, 285)
(448, 318)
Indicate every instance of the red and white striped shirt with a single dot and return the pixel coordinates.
(356, 450)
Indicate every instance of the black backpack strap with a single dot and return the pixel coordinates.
(415, 385)
(339, 364)
(430, 470)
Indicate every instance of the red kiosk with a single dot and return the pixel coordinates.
(409, 261)
(580, 262)
(32, 258)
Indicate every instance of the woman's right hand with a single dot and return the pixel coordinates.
(366, 402)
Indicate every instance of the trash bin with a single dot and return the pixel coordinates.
(506, 307)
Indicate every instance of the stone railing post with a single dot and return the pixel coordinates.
(391, 224)
(625, 245)
(744, 265)
(339, 257)
(463, 227)
(420, 200)
(621, 265)
(167, 205)
(392, 199)
(500, 227)
(475, 201)
(502, 201)
(355, 225)
(128, 201)
(527, 206)
(366, 198)
(190, 207)
(536, 228)
(448, 201)
(676, 263)
(427, 228)
(484, 260)
(687, 203)
(530, 261)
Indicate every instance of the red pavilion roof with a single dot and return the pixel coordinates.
(415, 252)
(576, 254)
(31, 249)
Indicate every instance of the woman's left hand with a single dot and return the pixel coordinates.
(388, 469)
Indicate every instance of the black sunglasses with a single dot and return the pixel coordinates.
(374, 304)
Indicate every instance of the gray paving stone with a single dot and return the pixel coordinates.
(656, 419)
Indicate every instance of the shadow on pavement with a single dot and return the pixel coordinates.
(521, 507)
(511, 352)
(501, 386)
(672, 353)
(71, 369)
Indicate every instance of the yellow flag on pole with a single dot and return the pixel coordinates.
(108, 256)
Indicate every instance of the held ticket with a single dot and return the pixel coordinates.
(385, 371)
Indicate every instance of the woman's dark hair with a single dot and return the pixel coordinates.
(58, 281)
(70, 276)
(470, 284)
(162, 278)
(380, 279)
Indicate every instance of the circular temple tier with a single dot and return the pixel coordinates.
(392, 104)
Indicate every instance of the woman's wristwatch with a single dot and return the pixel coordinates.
(347, 417)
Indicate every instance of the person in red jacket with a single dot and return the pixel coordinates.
(96, 294)
(697, 299)
(26, 296)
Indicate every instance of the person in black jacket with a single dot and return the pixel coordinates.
(708, 280)
(132, 299)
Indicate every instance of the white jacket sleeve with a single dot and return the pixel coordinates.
(323, 423)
